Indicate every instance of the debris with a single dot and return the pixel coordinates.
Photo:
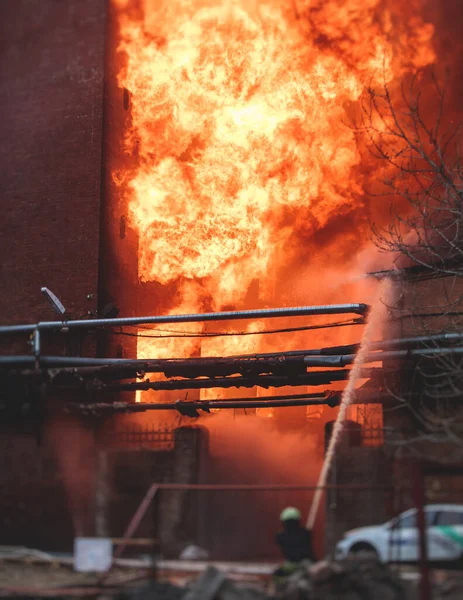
(213, 585)
(353, 579)
(153, 591)
(321, 571)
(450, 589)
(359, 578)
(207, 586)
(231, 591)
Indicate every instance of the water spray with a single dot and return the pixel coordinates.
(376, 316)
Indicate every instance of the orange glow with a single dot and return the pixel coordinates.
(239, 131)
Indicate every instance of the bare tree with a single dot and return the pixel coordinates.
(417, 144)
(423, 171)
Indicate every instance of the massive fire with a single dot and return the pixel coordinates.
(240, 114)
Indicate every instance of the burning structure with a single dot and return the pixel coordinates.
(235, 174)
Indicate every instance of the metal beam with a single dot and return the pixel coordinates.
(265, 313)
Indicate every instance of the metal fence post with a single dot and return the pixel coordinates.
(419, 501)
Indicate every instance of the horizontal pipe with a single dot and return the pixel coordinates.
(66, 361)
(188, 367)
(265, 313)
(207, 405)
(331, 399)
(266, 381)
(421, 352)
(62, 361)
(329, 361)
(343, 360)
(421, 339)
(233, 364)
(316, 397)
(415, 353)
(152, 365)
(379, 345)
(310, 352)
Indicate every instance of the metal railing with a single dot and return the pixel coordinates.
(222, 507)
(136, 438)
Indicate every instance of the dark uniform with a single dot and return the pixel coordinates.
(295, 542)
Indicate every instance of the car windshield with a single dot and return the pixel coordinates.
(405, 521)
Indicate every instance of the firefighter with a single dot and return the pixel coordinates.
(295, 542)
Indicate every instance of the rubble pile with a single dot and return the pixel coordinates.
(451, 588)
(353, 579)
(213, 585)
(153, 591)
(360, 578)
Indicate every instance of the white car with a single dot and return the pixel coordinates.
(398, 540)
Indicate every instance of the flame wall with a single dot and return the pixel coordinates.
(243, 177)
(246, 182)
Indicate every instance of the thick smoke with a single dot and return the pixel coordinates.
(252, 450)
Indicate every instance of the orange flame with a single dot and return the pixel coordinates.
(239, 112)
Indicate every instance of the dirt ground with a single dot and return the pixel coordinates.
(26, 577)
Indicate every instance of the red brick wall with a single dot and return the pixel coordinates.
(51, 106)
(52, 56)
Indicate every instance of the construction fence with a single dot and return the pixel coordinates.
(234, 522)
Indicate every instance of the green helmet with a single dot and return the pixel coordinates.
(290, 513)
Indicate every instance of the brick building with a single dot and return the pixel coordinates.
(64, 227)
(51, 97)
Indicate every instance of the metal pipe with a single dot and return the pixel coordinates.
(136, 519)
(265, 313)
(206, 405)
(331, 399)
(329, 361)
(156, 365)
(349, 349)
(343, 360)
(163, 365)
(421, 339)
(71, 361)
(266, 381)
(380, 345)
(418, 352)
(352, 348)
(93, 366)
